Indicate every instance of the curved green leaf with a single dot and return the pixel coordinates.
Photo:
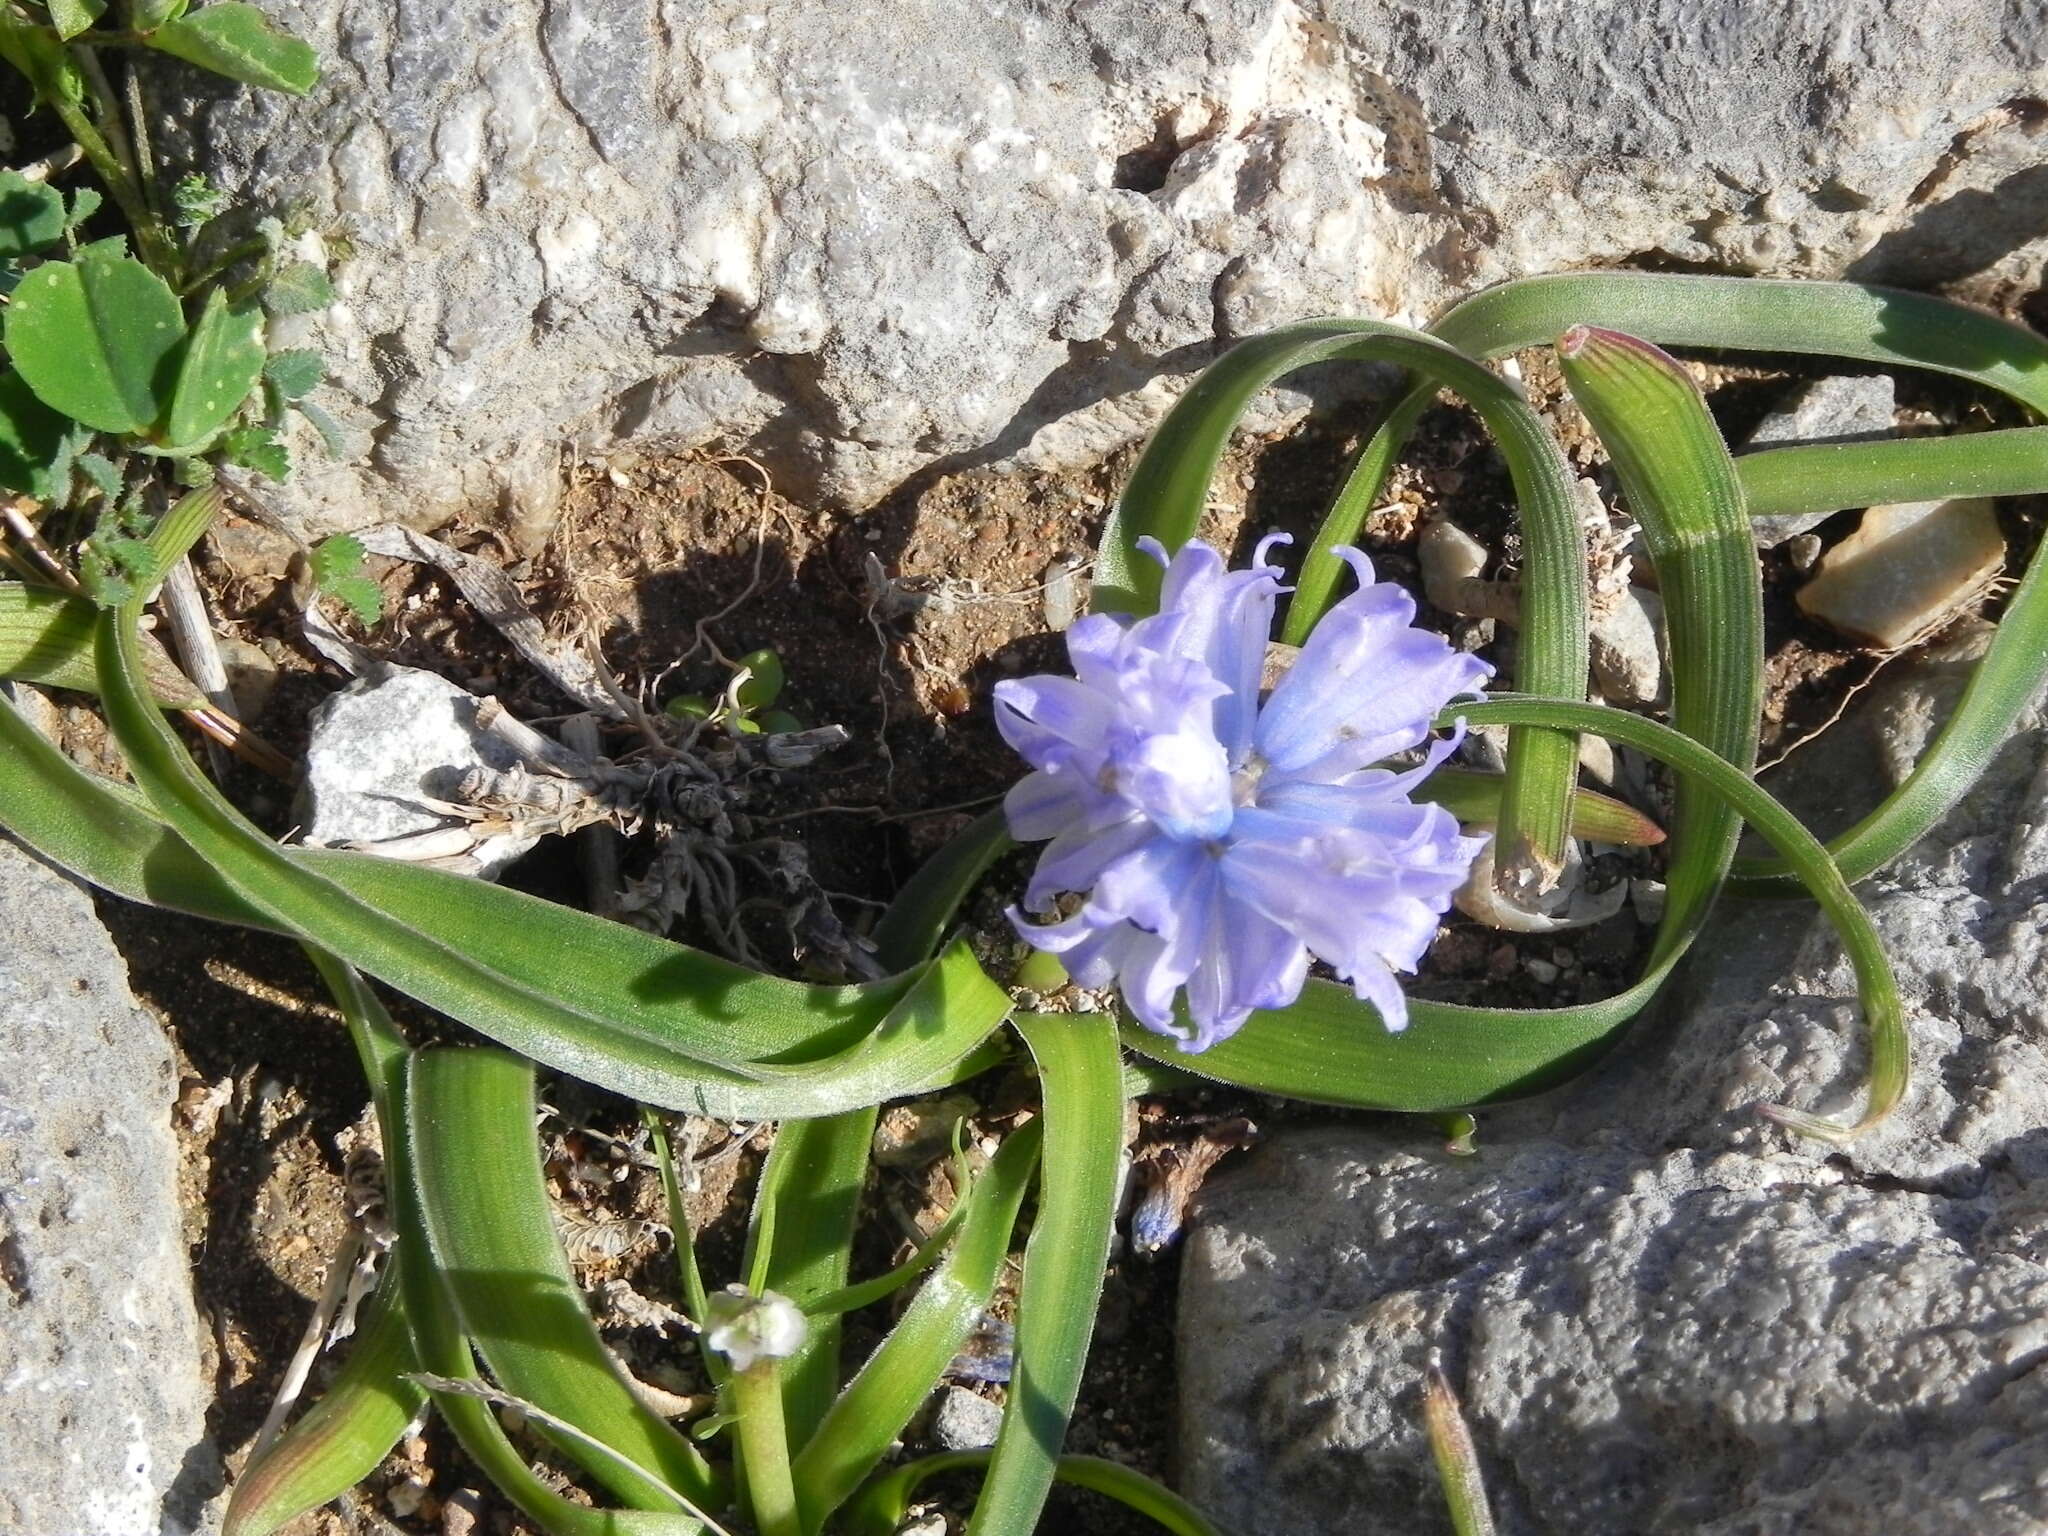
(1169, 488)
(947, 1011)
(1879, 325)
(1326, 1049)
(239, 41)
(345, 1436)
(884, 1504)
(483, 1196)
(441, 1350)
(1680, 482)
(1081, 1080)
(800, 1242)
(222, 361)
(95, 338)
(880, 1401)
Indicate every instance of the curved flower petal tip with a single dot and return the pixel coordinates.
(1219, 846)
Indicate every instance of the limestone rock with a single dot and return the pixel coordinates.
(1663, 1314)
(855, 243)
(1906, 570)
(382, 746)
(103, 1415)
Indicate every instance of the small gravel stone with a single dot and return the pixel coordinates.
(964, 1420)
(1906, 570)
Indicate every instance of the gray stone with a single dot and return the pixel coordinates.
(964, 1420)
(102, 1393)
(1845, 408)
(1663, 1314)
(384, 746)
(858, 242)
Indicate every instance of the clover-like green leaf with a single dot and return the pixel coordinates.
(36, 443)
(71, 17)
(96, 338)
(31, 216)
(222, 361)
(299, 289)
(239, 41)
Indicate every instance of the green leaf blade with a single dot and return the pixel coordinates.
(223, 359)
(95, 339)
(476, 1163)
(31, 216)
(1680, 481)
(239, 41)
(1081, 1077)
(345, 1436)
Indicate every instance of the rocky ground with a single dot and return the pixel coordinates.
(799, 331)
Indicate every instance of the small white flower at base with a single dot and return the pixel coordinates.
(745, 1328)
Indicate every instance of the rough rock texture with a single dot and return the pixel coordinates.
(102, 1395)
(858, 242)
(1663, 1315)
(385, 744)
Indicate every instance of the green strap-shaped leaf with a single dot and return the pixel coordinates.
(95, 338)
(946, 1013)
(1680, 481)
(1169, 488)
(862, 1045)
(222, 361)
(1827, 477)
(46, 637)
(884, 1504)
(1878, 325)
(346, 1435)
(871, 1414)
(1474, 798)
(1081, 1081)
(239, 41)
(1457, 1459)
(807, 1208)
(918, 919)
(31, 216)
(1326, 1048)
(441, 1349)
(476, 1164)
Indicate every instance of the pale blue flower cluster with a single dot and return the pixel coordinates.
(1220, 844)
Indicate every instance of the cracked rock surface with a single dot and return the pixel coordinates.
(102, 1396)
(1664, 1315)
(856, 242)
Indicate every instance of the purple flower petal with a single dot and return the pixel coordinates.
(1219, 846)
(1365, 686)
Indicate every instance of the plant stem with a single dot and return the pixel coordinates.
(148, 234)
(764, 1448)
(117, 164)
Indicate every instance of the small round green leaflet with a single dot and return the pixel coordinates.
(97, 338)
(222, 360)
